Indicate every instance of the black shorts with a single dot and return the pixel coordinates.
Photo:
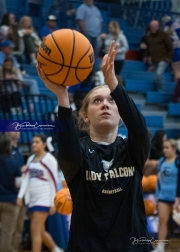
(166, 201)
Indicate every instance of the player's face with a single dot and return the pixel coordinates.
(111, 28)
(168, 150)
(102, 110)
(8, 65)
(38, 145)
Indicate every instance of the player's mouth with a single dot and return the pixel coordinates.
(105, 114)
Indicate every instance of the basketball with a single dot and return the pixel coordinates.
(66, 57)
(149, 207)
(152, 180)
(63, 201)
(144, 183)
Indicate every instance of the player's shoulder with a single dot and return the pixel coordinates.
(30, 158)
(49, 157)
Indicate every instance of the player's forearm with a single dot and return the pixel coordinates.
(63, 98)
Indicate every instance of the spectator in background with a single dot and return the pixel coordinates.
(30, 38)
(10, 87)
(156, 153)
(9, 30)
(51, 25)
(9, 73)
(89, 21)
(166, 189)
(115, 34)
(6, 51)
(9, 172)
(16, 153)
(160, 52)
(143, 47)
(65, 13)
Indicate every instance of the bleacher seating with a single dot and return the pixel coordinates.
(174, 109)
(135, 75)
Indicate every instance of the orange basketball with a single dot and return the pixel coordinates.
(149, 207)
(152, 180)
(63, 201)
(66, 57)
(144, 183)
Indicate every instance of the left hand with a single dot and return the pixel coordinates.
(176, 205)
(108, 67)
(52, 210)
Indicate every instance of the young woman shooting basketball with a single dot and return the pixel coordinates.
(104, 171)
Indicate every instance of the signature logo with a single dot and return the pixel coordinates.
(144, 240)
(46, 49)
(28, 125)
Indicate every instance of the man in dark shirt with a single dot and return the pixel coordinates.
(160, 51)
(17, 155)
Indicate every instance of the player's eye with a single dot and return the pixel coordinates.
(97, 100)
(111, 100)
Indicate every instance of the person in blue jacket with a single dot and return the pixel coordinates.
(9, 172)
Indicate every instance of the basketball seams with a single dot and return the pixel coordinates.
(58, 47)
(80, 61)
(54, 62)
(63, 64)
(71, 58)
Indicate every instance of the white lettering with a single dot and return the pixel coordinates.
(111, 173)
(98, 175)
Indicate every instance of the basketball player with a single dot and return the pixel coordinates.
(104, 171)
(41, 178)
(166, 189)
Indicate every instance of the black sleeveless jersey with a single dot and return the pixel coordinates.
(105, 183)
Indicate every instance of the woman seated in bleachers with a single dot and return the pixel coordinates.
(30, 38)
(10, 85)
(9, 30)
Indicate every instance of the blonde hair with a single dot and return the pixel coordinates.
(81, 123)
(117, 31)
(173, 143)
(22, 21)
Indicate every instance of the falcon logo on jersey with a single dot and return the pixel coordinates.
(107, 164)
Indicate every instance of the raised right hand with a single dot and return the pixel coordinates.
(59, 90)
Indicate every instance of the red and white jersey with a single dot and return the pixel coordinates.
(41, 181)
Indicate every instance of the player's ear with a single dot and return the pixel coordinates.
(86, 119)
(120, 122)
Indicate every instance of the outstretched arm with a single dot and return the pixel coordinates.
(138, 139)
(69, 151)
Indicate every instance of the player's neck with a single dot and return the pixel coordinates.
(100, 136)
(171, 158)
(40, 154)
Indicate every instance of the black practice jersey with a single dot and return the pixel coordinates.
(105, 183)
